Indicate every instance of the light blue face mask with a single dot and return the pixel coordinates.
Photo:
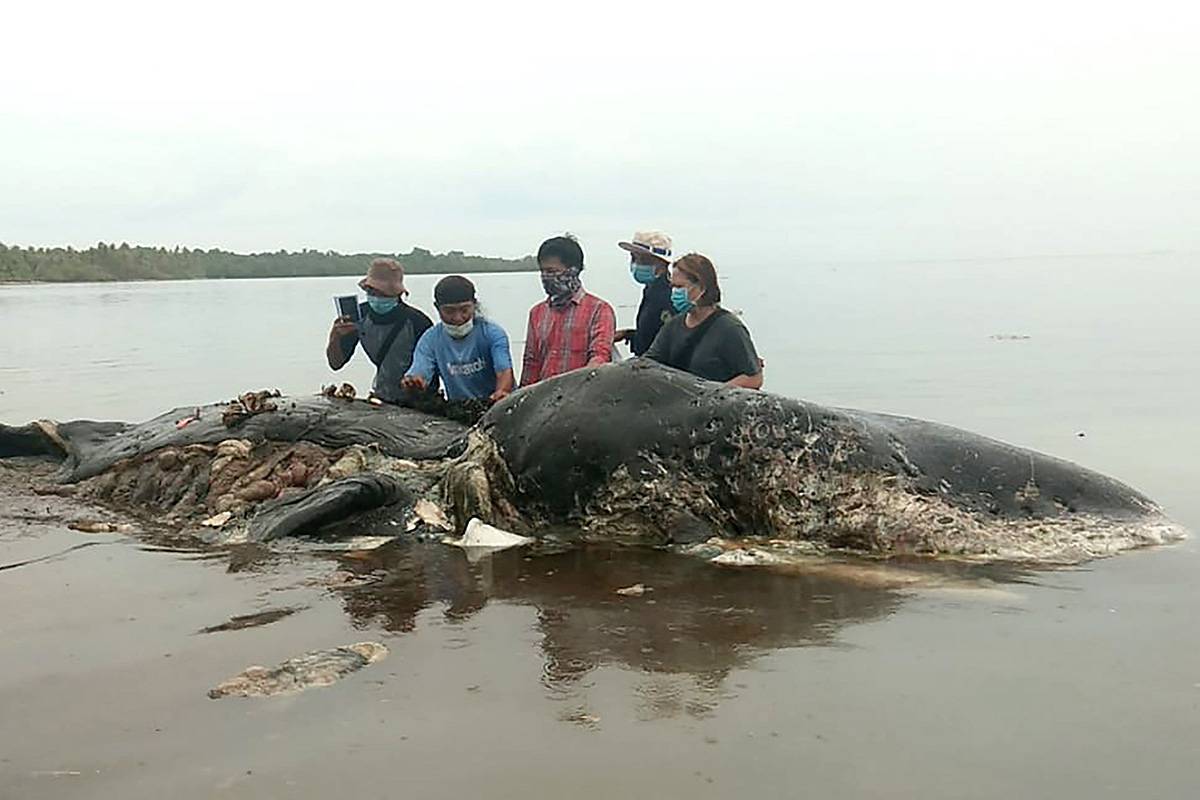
(382, 305)
(642, 273)
(680, 300)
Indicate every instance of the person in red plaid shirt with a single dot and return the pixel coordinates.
(570, 328)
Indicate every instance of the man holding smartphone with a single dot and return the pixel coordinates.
(387, 328)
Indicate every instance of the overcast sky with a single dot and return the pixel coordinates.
(833, 131)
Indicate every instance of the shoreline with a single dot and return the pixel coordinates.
(407, 272)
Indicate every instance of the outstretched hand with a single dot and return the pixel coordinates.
(413, 383)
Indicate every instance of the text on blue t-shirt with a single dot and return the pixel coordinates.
(467, 366)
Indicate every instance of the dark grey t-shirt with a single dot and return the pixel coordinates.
(723, 352)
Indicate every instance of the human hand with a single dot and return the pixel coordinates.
(499, 395)
(413, 383)
(623, 335)
(342, 326)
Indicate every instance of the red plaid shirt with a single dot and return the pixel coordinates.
(558, 340)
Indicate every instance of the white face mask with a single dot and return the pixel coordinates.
(460, 331)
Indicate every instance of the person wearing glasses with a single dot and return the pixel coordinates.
(649, 257)
(570, 328)
(705, 339)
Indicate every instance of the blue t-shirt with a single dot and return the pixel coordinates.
(467, 366)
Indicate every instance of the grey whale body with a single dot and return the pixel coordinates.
(639, 450)
(633, 452)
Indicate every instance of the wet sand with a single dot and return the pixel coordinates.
(525, 676)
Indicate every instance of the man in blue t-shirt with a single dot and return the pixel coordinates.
(469, 353)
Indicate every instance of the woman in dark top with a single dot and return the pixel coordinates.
(705, 339)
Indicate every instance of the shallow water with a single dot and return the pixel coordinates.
(521, 675)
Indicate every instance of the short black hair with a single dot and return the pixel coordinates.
(565, 248)
(453, 289)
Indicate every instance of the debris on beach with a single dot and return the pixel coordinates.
(481, 537)
(353, 546)
(341, 579)
(218, 520)
(248, 405)
(581, 717)
(637, 590)
(431, 514)
(747, 557)
(56, 490)
(314, 669)
(188, 420)
(244, 621)
(93, 526)
(344, 392)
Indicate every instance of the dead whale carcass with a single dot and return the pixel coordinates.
(633, 452)
(642, 452)
(276, 467)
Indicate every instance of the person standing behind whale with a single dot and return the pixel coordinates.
(570, 328)
(705, 339)
(649, 256)
(469, 353)
(388, 330)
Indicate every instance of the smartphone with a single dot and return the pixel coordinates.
(347, 306)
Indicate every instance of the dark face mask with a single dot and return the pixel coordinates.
(560, 287)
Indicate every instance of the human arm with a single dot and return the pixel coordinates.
(746, 381)
(623, 335)
(600, 335)
(343, 338)
(424, 364)
(501, 361)
(530, 363)
(504, 385)
(738, 349)
(422, 325)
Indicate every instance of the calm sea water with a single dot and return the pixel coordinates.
(521, 674)
(1113, 347)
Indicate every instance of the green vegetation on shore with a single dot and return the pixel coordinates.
(106, 262)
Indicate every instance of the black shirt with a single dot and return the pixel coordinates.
(719, 349)
(652, 313)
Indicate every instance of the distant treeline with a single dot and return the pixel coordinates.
(106, 262)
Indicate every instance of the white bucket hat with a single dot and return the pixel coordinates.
(654, 243)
